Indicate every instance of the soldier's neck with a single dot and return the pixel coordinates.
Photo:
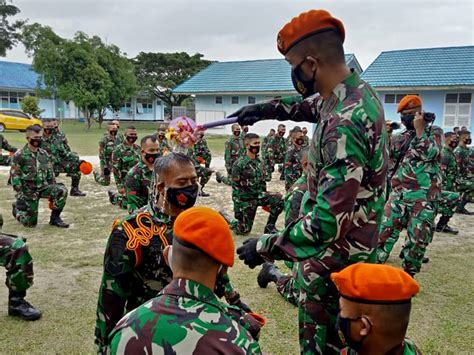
(32, 148)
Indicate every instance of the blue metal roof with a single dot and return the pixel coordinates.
(17, 76)
(267, 75)
(449, 66)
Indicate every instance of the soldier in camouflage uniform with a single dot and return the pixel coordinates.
(134, 268)
(16, 259)
(120, 136)
(164, 146)
(249, 190)
(293, 168)
(5, 159)
(125, 156)
(189, 306)
(267, 138)
(234, 148)
(201, 155)
(305, 137)
(138, 179)
(106, 147)
(32, 178)
(63, 159)
(346, 174)
(416, 187)
(275, 153)
(465, 179)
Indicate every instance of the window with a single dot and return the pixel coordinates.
(251, 100)
(126, 108)
(144, 106)
(457, 110)
(219, 100)
(389, 98)
(234, 100)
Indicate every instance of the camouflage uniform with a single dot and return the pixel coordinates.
(234, 148)
(409, 348)
(201, 155)
(124, 158)
(15, 257)
(249, 191)
(137, 186)
(292, 168)
(465, 178)
(413, 202)
(5, 159)
(347, 166)
(186, 318)
(32, 178)
(274, 154)
(306, 142)
(448, 199)
(106, 147)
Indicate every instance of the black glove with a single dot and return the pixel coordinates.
(106, 171)
(248, 253)
(248, 115)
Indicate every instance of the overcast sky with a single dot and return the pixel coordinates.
(240, 30)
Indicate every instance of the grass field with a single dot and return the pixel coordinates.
(68, 268)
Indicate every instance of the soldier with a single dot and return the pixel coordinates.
(346, 173)
(32, 178)
(375, 303)
(275, 153)
(120, 136)
(201, 155)
(234, 148)
(267, 138)
(164, 146)
(416, 187)
(188, 306)
(138, 179)
(464, 181)
(244, 130)
(134, 268)
(293, 168)
(249, 190)
(305, 137)
(106, 147)
(125, 156)
(4, 159)
(64, 160)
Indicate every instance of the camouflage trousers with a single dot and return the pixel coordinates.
(119, 199)
(447, 203)
(105, 173)
(288, 285)
(27, 204)
(204, 174)
(69, 166)
(15, 257)
(4, 160)
(245, 211)
(417, 216)
(466, 188)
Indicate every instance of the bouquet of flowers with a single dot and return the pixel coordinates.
(180, 134)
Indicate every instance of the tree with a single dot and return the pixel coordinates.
(159, 73)
(92, 74)
(29, 105)
(9, 31)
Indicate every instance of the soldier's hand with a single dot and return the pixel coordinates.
(249, 115)
(419, 123)
(249, 254)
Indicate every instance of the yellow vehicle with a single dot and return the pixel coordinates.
(16, 120)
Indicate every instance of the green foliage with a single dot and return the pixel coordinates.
(9, 31)
(159, 73)
(29, 105)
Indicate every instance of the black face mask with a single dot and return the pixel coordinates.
(468, 141)
(36, 142)
(183, 197)
(161, 136)
(281, 134)
(453, 144)
(113, 133)
(300, 141)
(131, 139)
(302, 86)
(343, 327)
(236, 133)
(151, 157)
(407, 120)
(254, 149)
(48, 130)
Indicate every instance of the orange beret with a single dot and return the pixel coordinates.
(85, 167)
(375, 283)
(306, 25)
(207, 230)
(408, 102)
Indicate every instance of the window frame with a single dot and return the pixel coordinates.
(218, 98)
(456, 116)
(236, 102)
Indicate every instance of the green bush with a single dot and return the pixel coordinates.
(30, 106)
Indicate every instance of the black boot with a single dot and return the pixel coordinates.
(425, 260)
(14, 209)
(443, 227)
(18, 307)
(269, 273)
(219, 177)
(202, 193)
(112, 197)
(462, 208)
(75, 187)
(270, 227)
(56, 220)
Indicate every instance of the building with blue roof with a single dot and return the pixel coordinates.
(18, 80)
(224, 87)
(442, 77)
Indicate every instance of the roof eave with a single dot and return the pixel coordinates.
(237, 92)
(421, 87)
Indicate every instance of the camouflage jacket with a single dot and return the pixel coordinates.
(124, 158)
(276, 149)
(106, 147)
(306, 142)
(449, 169)
(265, 141)
(4, 159)
(58, 149)
(248, 178)
(409, 348)
(200, 153)
(31, 171)
(293, 168)
(137, 186)
(234, 148)
(419, 169)
(347, 167)
(186, 318)
(293, 200)
(462, 158)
